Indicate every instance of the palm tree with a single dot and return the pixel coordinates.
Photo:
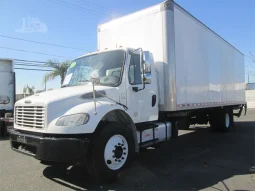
(24, 91)
(31, 90)
(59, 69)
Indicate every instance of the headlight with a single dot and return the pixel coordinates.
(73, 120)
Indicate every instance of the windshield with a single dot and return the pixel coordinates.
(108, 65)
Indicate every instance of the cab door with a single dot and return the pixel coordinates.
(141, 92)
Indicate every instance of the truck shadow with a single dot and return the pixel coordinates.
(4, 138)
(198, 159)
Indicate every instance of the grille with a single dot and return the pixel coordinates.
(30, 116)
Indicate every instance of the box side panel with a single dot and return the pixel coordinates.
(169, 63)
(129, 28)
(209, 71)
(140, 31)
(6, 85)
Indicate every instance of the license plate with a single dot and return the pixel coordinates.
(21, 139)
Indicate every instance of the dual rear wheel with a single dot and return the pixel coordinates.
(222, 120)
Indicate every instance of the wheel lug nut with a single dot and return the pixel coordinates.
(113, 151)
(124, 148)
(124, 153)
(122, 157)
(122, 144)
(119, 160)
(118, 143)
(113, 156)
(116, 160)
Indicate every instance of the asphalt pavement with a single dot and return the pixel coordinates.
(197, 160)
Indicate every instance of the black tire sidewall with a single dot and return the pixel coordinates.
(184, 123)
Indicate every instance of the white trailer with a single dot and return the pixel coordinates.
(156, 70)
(7, 92)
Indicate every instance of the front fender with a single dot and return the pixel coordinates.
(102, 108)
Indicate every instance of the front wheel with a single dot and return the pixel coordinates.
(111, 151)
(2, 129)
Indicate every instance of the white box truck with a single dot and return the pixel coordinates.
(7, 93)
(156, 70)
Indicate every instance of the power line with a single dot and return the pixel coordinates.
(21, 50)
(32, 69)
(44, 43)
(33, 61)
(74, 6)
(111, 11)
(36, 65)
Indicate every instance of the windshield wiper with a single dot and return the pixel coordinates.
(124, 106)
(66, 85)
(84, 81)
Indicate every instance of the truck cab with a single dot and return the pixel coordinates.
(103, 96)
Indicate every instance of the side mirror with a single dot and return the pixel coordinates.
(147, 78)
(148, 61)
(147, 58)
(94, 77)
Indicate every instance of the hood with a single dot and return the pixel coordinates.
(64, 93)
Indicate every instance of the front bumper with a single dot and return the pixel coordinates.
(52, 149)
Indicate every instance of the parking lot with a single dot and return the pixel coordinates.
(198, 160)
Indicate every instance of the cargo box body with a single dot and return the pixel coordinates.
(196, 67)
(7, 85)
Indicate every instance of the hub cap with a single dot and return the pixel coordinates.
(227, 120)
(116, 152)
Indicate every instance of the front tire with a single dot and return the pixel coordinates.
(2, 129)
(111, 151)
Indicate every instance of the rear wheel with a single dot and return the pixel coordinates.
(184, 123)
(2, 129)
(222, 120)
(175, 129)
(111, 151)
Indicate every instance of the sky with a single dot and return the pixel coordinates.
(62, 23)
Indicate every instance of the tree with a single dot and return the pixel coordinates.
(24, 90)
(59, 69)
(31, 90)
